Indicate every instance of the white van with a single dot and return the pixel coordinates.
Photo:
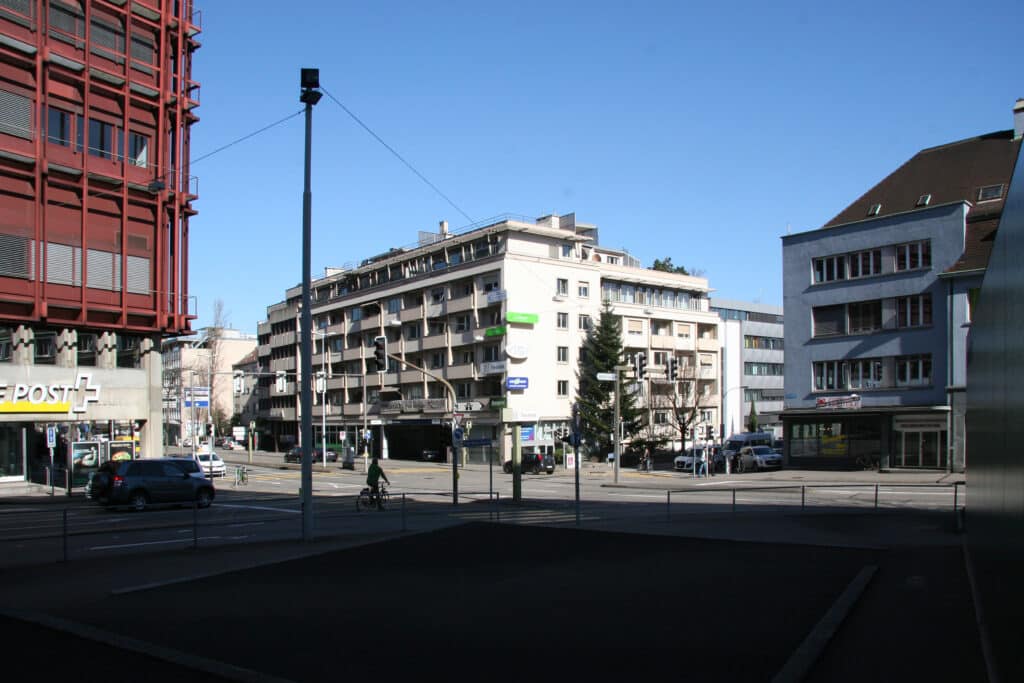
(735, 442)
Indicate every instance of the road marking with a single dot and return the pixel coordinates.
(257, 507)
(637, 495)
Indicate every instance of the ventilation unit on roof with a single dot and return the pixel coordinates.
(875, 208)
(923, 200)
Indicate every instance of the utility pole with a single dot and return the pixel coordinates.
(310, 82)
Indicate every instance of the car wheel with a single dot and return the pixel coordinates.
(139, 500)
(551, 471)
(536, 469)
(204, 497)
(507, 467)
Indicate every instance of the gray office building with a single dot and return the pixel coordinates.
(878, 311)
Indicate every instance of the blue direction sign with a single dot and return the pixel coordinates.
(517, 383)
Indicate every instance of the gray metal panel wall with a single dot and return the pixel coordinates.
(995, 438)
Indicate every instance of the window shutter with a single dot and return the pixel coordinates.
(15, 115)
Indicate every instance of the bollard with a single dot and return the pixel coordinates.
(195, 525)
(668, 506)
(497, 505)
(956, 492)
(734, 501)
(67, 481)
(403, 511)
(876, 496)
(803, 491)
(64, 533)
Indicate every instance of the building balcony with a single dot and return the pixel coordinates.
(708, 344)
(352, 354)
(370, 323)
(662, 342)
(408, 315)
(436, 310)
(459, 372)
(437, 341)
(412, 345)
(464, 303)
(685, 344)
(352, 410)
(465, 337)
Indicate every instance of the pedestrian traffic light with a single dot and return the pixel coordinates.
(280, 381)
(673, 369)
(380, 353)
(641, 365)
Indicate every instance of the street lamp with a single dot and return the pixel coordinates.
(310, 83)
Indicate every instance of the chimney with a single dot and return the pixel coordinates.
(444, 228)
(1018, 119)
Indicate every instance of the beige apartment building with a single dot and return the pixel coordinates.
(498, 312)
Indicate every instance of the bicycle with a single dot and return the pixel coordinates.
(241, 476)
(366, 500)
(867, 462)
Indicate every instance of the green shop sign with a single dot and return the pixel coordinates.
(498, 403)
(494, 331)
(526, 318)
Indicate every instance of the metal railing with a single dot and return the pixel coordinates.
(66, 532)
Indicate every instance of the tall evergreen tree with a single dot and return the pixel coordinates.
(752, 422)
(601, 352)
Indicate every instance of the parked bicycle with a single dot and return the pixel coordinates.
(367, 501)
(867, 462)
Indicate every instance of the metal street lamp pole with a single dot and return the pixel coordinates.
(310, 82)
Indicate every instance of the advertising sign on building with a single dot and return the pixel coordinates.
(496, 296)
(517, 383)
(832, 402)
(522, 318)
(527, 433)
(492, 367)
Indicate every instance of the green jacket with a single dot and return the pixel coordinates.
(374, 474)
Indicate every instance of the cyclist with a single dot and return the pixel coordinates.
(373, 477)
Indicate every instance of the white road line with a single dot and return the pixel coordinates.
(258, 507)
(637, 495)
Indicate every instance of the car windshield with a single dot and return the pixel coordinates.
(205, 457)
(762, 450)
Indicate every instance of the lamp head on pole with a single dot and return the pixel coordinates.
(310, 82)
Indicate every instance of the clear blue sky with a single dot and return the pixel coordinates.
(697, 133)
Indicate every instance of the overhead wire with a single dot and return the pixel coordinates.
(397, 155)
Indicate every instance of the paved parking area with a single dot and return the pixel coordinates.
(511, 603)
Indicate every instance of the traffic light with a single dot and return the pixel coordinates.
(673, 369)
(380, 353)
(280, 381)
(641, 365)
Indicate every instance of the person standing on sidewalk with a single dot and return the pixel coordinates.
(702, 468)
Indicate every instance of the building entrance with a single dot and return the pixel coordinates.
(924, 449)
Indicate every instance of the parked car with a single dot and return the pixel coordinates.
(189, 466)
(534, 462)
(684, 461)
(294, 454)
(758, 458)
(140, 483)
(211, 464)
(431, 455)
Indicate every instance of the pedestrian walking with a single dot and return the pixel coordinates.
(702, 471)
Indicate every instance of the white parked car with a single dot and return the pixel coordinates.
(211, 464)
(758, 458)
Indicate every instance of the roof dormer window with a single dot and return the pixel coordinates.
(924, 200)
(990, 192)
(875, 208)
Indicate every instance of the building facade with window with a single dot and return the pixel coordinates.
(753, 365)
(96, 101)
(877, 308)
(498, 312)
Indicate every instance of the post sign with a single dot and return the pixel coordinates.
(606, 377)
(517, 383)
